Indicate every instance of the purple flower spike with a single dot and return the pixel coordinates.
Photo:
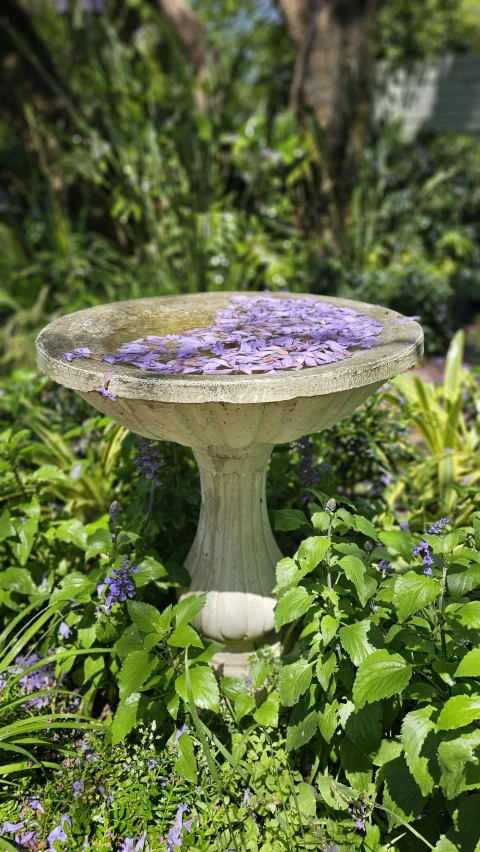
(58, 833)
(174, 838)
(120, 584)
(438, 528)
(424, 550)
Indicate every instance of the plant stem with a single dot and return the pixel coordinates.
(442, 607)
(327, 555)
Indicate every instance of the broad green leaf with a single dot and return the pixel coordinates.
(186, 609)
(292, 605)
(336, 795)
(6, 527)
(258, 672)
(204, 687)
(135, 671)
(72, 532)
(355, 570)
(325, 668)
(381, 675)
(99, 541)
(74, 585)
(299, 735)
(293, 681)
(244, 705)
(401, 542)
(267, 713)
(232, 687)
(49, 473)
(328, 720)
(145, 616)
(306, 800)
(412, 592)
(287, 573)
(87, 635)
(363, 727)
(468, 616)
(185, 635)
(469, 666)
(459, 761)
(17, 580)
(366, 527)
(26, 532)
(462, 579)
(290, 519)
(357, 767)
(354, 640)
(312, 551)
(459, 710)
(93, 666)
(420, 747)
(186, 764)
(402, 795)
(149, 570)
(321, 520)
(125, 717)
(328, 627)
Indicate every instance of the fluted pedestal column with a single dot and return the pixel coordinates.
(234, 554)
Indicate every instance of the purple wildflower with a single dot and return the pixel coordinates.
(384, 565)
(423, 549)
(148, 461)
(36, 805)
(152, 763)
(438, 528)
(120, 584)
(78, 789)
(106, 381)
(405, 526)
(64, 630)
(253, 334)
(58, 833)
(114, 511)
(183, 730)
(174, 838)
(128, 844)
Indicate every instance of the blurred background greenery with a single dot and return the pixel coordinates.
(149, 148)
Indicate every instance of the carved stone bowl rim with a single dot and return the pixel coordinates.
(399, 347)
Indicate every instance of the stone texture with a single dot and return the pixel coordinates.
(232, 424)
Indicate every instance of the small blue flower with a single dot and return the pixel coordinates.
(58, 833)
(64, 630)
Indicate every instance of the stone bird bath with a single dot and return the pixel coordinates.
(232, 423)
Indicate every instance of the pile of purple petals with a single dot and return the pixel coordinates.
(258, 334)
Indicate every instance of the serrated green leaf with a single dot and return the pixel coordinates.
(287, 573)
(87, 635)
(258, 673)
(325, 668)
(402, 795)
(125, 718)
(26, 531)
(459, 761)
(312, 551)
(145, 616)
(420, 747)
(300, 734)
(244, 704)
(292, 605)
(149, 569)
(232, 687)
(135, 671)
(458, 711)
(412, 592)
(381, 675)
(401, 542)
(366, 527)
(469, 666)
(74, 585)
(355, 571)
(357, 767)
(186, 764)
(6, 527)
(17, 580)
(354, 640)
(320, 521)
(186, 609)
(290, 519)
(328, 628)
(99, 541)
(72, 532)
(306, 801)
(467, 616)
(293, 681)
(328, 720)
(462, 579)
(204, 687)
(267, 713)
(183, 636)
(363, 727)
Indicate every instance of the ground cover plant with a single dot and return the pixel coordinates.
(364, 737)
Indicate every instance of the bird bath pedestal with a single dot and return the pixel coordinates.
(232, 423)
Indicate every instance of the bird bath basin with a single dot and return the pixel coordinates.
(232, 423)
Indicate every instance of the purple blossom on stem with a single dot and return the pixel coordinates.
(178, 733)
(78, 788)
(405, 526)
(149, 461)
(384, 565)
(128, 844)
(120, 584)
(58, 833)
(64, 630)
(253, 334)
(423, 549)
(174, 838)
(438, 528)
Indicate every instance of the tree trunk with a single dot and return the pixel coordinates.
(190, 33)
(333, 78)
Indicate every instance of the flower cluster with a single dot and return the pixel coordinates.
(174, 838)
(41, 679)
(149, 461)
(120, 584)
(424, 550)
(258, 334)
(438, 528)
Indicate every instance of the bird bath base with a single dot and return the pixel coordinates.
(232, 422)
